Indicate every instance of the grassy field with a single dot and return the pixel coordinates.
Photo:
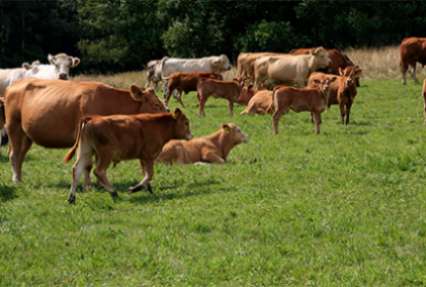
(344, 208)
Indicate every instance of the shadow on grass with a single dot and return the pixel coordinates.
(7, 193)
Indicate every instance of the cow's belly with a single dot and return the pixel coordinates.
(52, 126)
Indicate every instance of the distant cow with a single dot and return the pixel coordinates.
(185, 82)
(229, 90)
(47, 112)
(313, 100)
(245, 64)
(289, 68)
(260, 103)
(213, 148)
(342, 91)
(153, 73)
(412, 50)
(123, 137)
(212, 64)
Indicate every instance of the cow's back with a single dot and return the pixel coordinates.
(412, 50)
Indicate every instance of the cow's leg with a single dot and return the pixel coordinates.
(348, 111)
(148, 168)
(404, 68)
(102, 164)
(83, 164)
(276, 119)
(317, 120)
(231, 107)
(179, 98)
(342, 112)
(212, 157)
(19, 146)
(414, 73)
(202, 101)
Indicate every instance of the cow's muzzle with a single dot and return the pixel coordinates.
(63, 76)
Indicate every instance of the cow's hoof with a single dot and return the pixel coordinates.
(114, 194)
(149, 188)
(135, 188)
(71, 199)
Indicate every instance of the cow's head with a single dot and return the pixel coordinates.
(221, 63)
(233, 135)
(246, 93)
(62, 63)
(349, 78)
(321, 58)
(150, 103)
(181, 128)
(324, 86)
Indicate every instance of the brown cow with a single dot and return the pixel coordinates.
(342, 91)
(2, 119)
(245, 64)
(260, 103)
(123, 137)
(424, 98)
(412, 50)
(48, 112)
(313, 100)
(213, 148)
(229, 90)
(337, 60)
(185, 82)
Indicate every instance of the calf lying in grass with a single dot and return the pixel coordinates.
(260, 103)
(123, 137)
(313, 100)
(213, 148)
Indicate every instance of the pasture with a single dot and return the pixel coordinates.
(343, 208)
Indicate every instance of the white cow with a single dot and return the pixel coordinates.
(289, 68)
(153, 70)
(212, 64)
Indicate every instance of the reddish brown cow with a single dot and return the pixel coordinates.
(123, 137)
(342, 91)
(48, 112)
(313, 100)
(412, 50)
(185, 82)
(213, 148)
(229, 90)
(337, 60)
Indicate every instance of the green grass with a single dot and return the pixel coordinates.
(344, 208)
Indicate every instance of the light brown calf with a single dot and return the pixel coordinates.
(260, 103)
(213, 148)
(229, 90)
(313, 100)
(123, 137)
(342, 91)
(185, 82)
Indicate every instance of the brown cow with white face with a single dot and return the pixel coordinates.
(47, 112)
(412, 50)
(213, 148)
(123, 137)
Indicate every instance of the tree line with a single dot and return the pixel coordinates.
(117, 35)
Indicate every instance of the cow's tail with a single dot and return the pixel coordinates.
(162, 67)
(81, 126)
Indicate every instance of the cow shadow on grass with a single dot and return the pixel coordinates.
(7, 193)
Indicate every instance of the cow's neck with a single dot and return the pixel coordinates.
(222, 143)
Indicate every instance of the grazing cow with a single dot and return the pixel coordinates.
(229, 90)
(212, 64)
(123, 137)
(313, 100)
(289, 68)
(245, 64)
(48, 112)
(213, 148)
(338, 60)
(153, 70)
(185, 82)
(260, 103)
(412, 50)
(342, 91)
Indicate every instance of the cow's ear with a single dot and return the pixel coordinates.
(177, 113)
(226, 128)
(341, 72)
(26, 66)
(35, 63)
(75, 61)
(51, 59)
(136, 93)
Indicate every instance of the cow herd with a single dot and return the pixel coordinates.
(39, 105)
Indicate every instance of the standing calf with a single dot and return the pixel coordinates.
(313, 100)
(229, 90)
(123, 137)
